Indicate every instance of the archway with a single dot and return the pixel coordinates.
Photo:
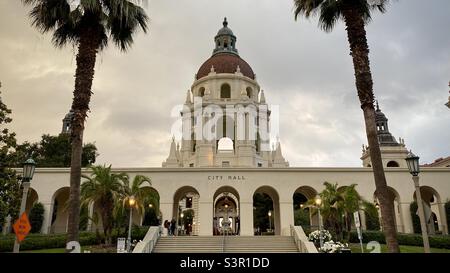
(302, 214)
(433, 209)
(186, 198)
(32, 199)
(266, 211)
(226, 217)
(151, 215)
(395, 198)
(60, 214)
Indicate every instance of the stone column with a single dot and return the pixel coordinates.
(246, 217)
(286, 217)
(443, 218)
(362, 215)
(48, 212)
(205, 219)
(407, 221)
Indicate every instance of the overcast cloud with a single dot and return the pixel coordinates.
(305, 71)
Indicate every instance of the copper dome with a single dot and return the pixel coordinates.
(225, 63)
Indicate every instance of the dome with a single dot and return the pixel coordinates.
(225, 63)
(225, 30)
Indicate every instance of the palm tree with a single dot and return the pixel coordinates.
(141, 194)
(89, 26)
(356, 14)
(103, 188)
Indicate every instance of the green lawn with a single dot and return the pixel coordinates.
(92, 249)
(356, 248)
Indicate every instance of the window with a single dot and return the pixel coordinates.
(191, 165)
(225, 91)
(225, 163)
(393, 164)
(259, 164)
(249, 92)
(188, 202)
(201, 92)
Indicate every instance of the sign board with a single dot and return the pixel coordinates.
(121, 245)
(357, 221)
(22, 227)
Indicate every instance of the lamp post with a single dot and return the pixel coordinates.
(28, 172)
(181, 221)
(131, 202)
(270, 220)
(413, 166)
(318, 202)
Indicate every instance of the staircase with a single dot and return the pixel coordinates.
(229, 244)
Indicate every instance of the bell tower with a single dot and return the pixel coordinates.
(393, 153)
(225, 117)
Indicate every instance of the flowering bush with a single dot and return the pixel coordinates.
(315, 236)
(332, 247)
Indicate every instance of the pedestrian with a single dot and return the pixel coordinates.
(167, 226)
(173, 226)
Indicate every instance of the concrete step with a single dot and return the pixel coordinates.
(233, 244)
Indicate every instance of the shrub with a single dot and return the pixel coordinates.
(415, 218)
(436, 241)
(36, 217)
(44, 241)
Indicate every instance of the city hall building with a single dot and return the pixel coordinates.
(215, 172)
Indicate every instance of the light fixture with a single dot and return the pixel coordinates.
(131, 201)
(413, 164)
(270, 213)
(150, 205)
(318, 201)
(28, 169)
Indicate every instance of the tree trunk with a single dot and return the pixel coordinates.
(360, 53)
(86, 57)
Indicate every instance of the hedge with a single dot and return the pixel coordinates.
(436, 241)
(46, 241)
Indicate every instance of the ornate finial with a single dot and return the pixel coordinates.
(378, 107)
(238, 69)
(212, 68)
(225, 23)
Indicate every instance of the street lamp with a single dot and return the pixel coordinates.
(28, 172)
(413, 166)
(318, 202)
(270, 220)
(131, 202)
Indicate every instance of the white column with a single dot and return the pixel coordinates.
(406, 214)
(362, 215)
(91, 216)
(46, 224)
(205, 219)
(166, 209)
(246, 217)
(443, 218)
(286, 217)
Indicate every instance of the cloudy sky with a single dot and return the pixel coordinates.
(305, 71)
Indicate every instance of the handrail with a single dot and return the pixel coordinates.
(148, 243)
(301, 241)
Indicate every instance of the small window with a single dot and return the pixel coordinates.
(225, 163)
(249, 92)
(191, 165)
(201, 92)
(259, 164)
(393, 164)
(225, 91)
(189, 202)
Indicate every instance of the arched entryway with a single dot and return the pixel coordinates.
(152, 215)
(396, 208)
(302, 214)
(59, 212)
(226, 217)
(266, 211)
(32, 199)
(433, 209)
(186, 198)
